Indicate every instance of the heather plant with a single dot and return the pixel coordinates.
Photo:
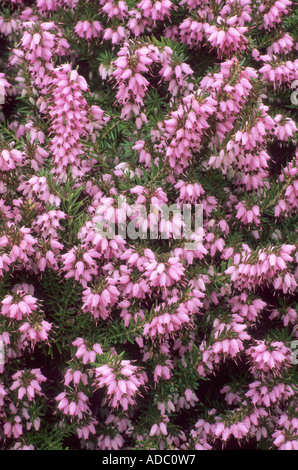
(148, 224)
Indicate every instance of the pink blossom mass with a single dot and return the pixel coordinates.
(148, 225)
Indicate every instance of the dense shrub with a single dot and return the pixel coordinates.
(116, 331)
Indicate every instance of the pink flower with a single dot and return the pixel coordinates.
(80, 264)
(73, 403)
(9, 159)
(157, 10)
(87, 354)
(248, 216)
(27, 382)
(18, 305)
(269, 357)
(36, 330)
(164, 274)
(122, 382)
(87, 30)
(227, 37)
(98, 301)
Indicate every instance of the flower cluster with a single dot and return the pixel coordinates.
(148, 239)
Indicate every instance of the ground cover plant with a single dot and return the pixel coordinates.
(148, 224)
